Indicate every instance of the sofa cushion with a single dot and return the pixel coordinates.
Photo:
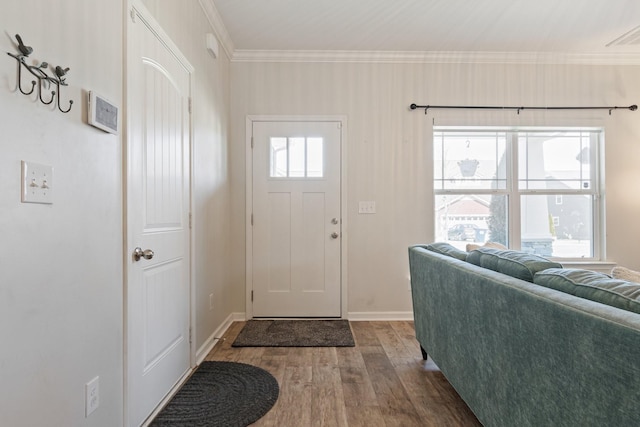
(520, 265)
(594, 286)
(444, 248)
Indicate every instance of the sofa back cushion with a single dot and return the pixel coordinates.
(444, 248)
(597, 287)
(520, 265)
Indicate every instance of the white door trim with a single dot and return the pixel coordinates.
(249, 201)
(136, 10)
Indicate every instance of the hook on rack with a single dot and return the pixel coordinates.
(60, 81)
(40, 73)
(42, 76)
(58, 84)
(21, 62)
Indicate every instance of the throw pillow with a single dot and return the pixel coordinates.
(520, 265)
(624, 273)
(594, 286)
(494, 245)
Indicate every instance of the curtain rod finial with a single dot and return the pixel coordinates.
(633, 107)
(414, 106)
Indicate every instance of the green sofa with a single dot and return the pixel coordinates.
(521, 354)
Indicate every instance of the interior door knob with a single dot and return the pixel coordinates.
(139, 253)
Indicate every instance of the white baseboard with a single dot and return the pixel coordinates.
(380, 315)
(206, 348)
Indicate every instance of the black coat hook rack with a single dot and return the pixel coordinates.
(42, 78)
(518, 109)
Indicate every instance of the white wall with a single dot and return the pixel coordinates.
(389, 147)
(187, 26)
(61, 264)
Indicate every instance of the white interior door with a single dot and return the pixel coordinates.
(158, 198)
(296, 219)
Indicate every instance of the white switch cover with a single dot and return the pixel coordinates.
(367, 207)
(37, 183)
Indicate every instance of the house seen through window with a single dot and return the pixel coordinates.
(531, 189)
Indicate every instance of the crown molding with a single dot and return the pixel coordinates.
(242, 55)
(220, 30)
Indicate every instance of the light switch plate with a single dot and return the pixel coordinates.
(37, 183)
(367, 207)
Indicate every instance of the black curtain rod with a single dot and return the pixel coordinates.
(518, 109)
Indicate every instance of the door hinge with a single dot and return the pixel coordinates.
(252, 219)
(189, 105)
(190, 220)
(251, 296)
(252, 142)
(190, 334)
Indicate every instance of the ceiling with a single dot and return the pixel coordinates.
(548, 26)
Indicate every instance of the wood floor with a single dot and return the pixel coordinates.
(381, 382)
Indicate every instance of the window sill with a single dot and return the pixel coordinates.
(599, 266)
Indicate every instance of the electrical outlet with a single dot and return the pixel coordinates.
(92, 396)
(37, 183)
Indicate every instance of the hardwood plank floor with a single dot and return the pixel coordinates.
(381, 382)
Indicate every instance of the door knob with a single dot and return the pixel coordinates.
(139, 253)
(334, 235)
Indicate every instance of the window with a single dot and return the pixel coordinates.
(536, 190)
(296, 157)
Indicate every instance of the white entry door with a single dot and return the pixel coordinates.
(158, 351)
(296, 219)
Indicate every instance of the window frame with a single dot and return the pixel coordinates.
(514, 193)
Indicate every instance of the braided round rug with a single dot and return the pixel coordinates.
(225, 394)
